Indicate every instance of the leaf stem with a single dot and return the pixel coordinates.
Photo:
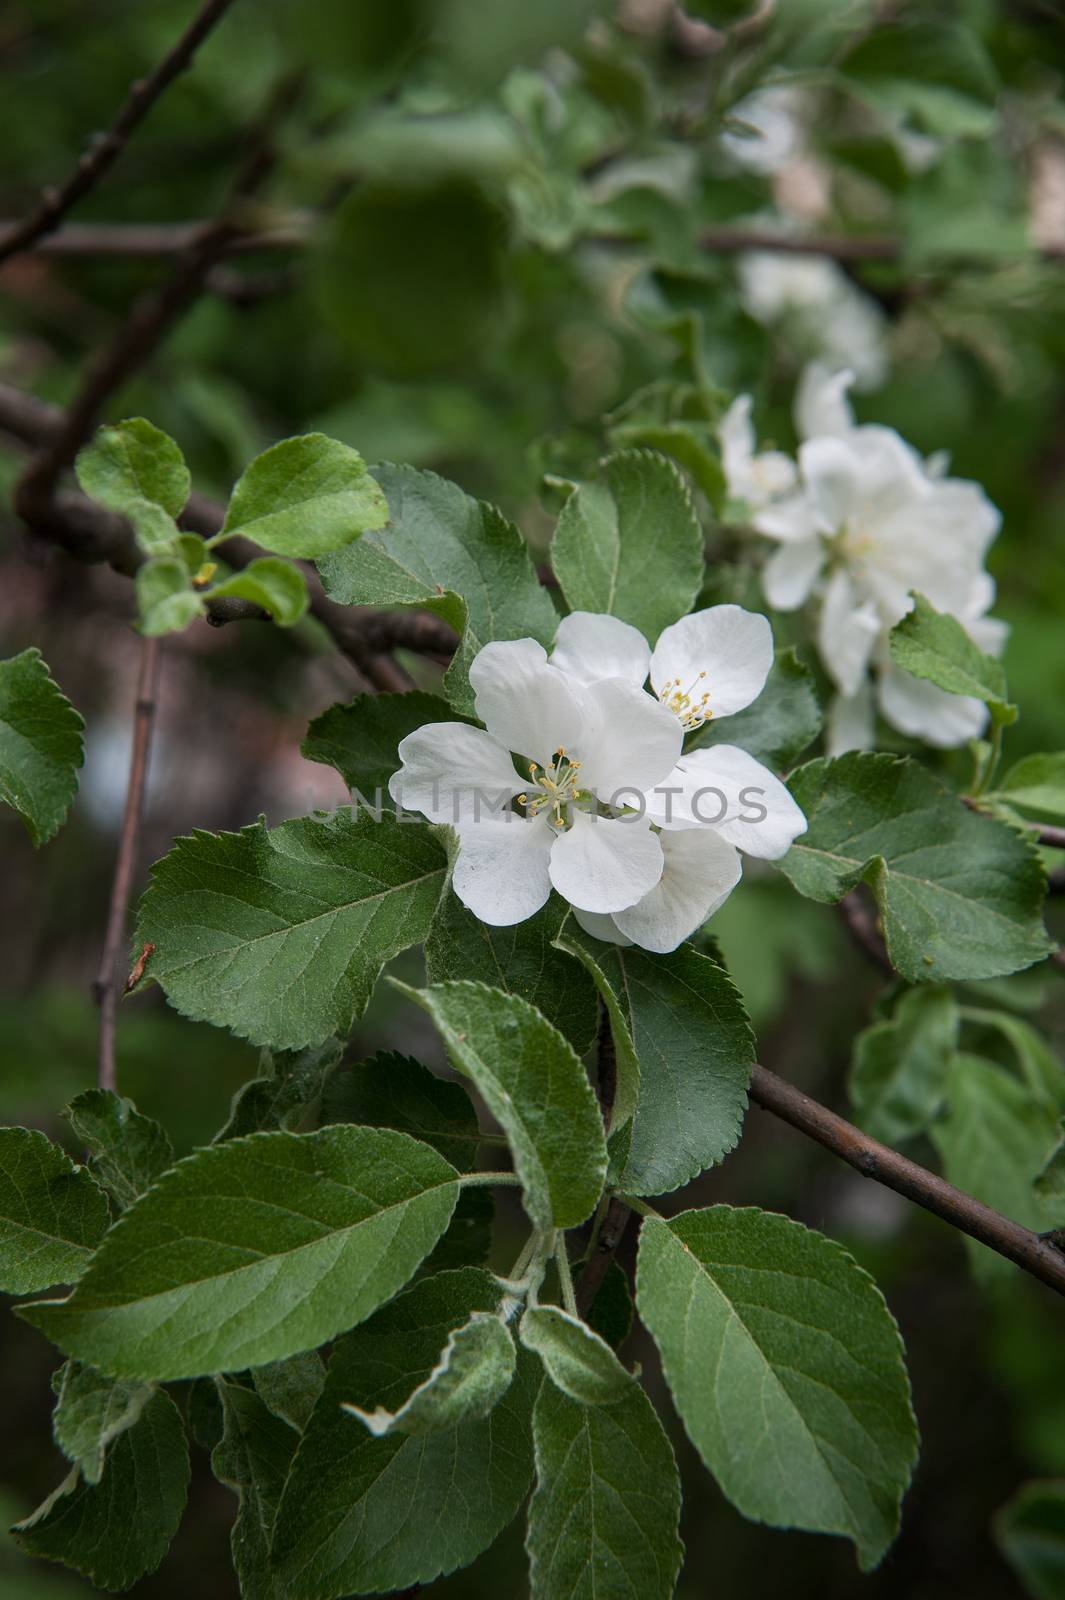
(565, 1276)
(472, 1180)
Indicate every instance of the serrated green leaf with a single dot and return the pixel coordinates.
(290, 1388)
(279, 934)
(960, 894)
(451, 555)
(133, 461)
(575, 1358)
(253, 1458)
(691, 444)
(533, 1083)
(781, 723)
(521, 960)
(286, 1091)
(603, 1519)
(930, 644)
(52, 1214)
(899, 1072)
(253, 1250)
(115, 1531)
(630, 543)
(41, 745)
(128, 1150)
(277, 586)
(1030, 1532)
(90, 1412)
(474, 1372)
(166, 600)
(305, 496)
(361, 739)
(394, 1091)
(359, 1514)
(681, 1020)
(1035, 783)
(787, 1370)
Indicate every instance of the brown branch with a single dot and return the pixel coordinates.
(106, 987)
(106, 148)
(1050, 838)
(145, 240)
(874, 1160)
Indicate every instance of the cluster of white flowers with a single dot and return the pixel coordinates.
(861, 521)
(641, 838)
(819, 313)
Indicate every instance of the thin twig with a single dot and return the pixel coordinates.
(874, 1160)
(1050, 838)
(106, 148)
(106, 987)
(146, 240)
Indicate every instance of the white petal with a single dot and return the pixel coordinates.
(526, 705)
(822, 409)
(725, 788)
(790, 573)
(601, 926)
(736, 434)
(730, 647)
(590, 646)
(451, 771)
(630, 740)
(851, 724)
(501, 872)
(990, 633)
(790, 520)
(925, 711)
(700, 873)
(604, 863)
(831, 471)
(847, 633)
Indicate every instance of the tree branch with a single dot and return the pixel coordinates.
(106, 148)
(106, 987)
(874, 1160)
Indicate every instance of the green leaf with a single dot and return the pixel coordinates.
(781, 723)
(451, 555)
(1030, 1532)
(787, 1370)
(1035, 783)
(52, 1214)
(253, 1458)
(128, 1150)
(290, 1388)
(41, 745)
(361, 739)
(250, 1251)
(91, 1411)
(959, 894)
(630, 544)
(899, 1074)
(610, 1314)
(277, 586)
(575, 1358)
(394, 1091)
(361, 1515)
(603, 1519)
(935, 70)
(930, 644)
(166, 600)
(684, 1047)
(521, 960)
(305, 496)
(132, 462)
(474, 1372)
(292, 1083)
(115, 1531)
(691, 444)
(279, 934)
(534, 1085)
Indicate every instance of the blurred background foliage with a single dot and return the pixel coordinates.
(503, 235)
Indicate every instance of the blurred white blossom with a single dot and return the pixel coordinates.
(817, 310)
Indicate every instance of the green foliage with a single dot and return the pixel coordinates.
(630, 543)
(786, 1367)
(959, 894)
(361, 739)
(782, 723)
(929, 644)
(899, 1073)
(253, 1458)
(166, 600)
(90, 1412)
(1030, 1531)
(330, 1223)
(1035, 784)
(277, 586)
(304, 497)
(41, 745)
(139, 471)
(474, 1372)
(52, 1214)
(575, 1358)
(291, 1083)
(394, 1091)
(128, 1151)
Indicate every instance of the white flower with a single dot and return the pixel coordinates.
(640, 838)
(870, 523)
(766, 132)
(820, 312)
(753, 479)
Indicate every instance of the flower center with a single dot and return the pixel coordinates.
(556, 786)
(692, 708)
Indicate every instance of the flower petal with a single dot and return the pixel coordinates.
(791, 520)
(700, 873)
(605, 863)
(730, 648)
(451, 771)
(846, 633)
(591, 645)
(501, 872)
(850, 724)
(790, 573)
(630, 741)
(725, 788)
(601, 926)
(526, 705)
(822, 409)
(925, 711)
(831, 471)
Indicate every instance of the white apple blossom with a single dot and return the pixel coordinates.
(640, 838)
(819, 311)
(869, 523)
(766, 131)
(753, 478)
